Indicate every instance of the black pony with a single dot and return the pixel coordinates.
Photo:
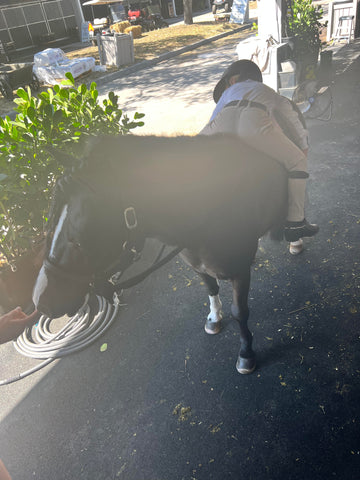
(213, 197)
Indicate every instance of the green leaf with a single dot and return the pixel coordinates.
(94, 94)
(30, 112)
(103, 347)
(112, 97)
(64, 93)
(57, 117)
(49, 110)
(50, 95)
(22, 94)
(82, 89)
(70, 78)
(66, 83)
(138, 115)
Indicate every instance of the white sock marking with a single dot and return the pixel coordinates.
(215, 314)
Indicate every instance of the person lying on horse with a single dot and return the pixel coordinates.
(270, 123)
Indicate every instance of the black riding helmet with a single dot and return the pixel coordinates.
(247, 70)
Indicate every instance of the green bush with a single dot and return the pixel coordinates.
(304, 24)
(56, 120)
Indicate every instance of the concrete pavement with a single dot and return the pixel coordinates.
(175, 94)
(117, 414)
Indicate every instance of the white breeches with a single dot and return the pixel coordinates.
(257, 129)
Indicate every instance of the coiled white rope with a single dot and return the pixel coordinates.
(79, 332)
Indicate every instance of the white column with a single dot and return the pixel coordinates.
(269, 18)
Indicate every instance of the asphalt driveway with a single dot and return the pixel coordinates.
(164, 401)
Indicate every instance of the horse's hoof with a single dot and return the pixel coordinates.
(212, 328)
(245, 365)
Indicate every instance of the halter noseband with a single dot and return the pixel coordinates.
(60, 272)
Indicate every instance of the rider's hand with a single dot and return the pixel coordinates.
(13, 323)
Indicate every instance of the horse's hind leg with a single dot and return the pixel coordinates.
(213, 321)
(246, 362)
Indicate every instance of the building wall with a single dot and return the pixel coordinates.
(26, 22)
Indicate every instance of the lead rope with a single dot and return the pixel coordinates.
(79, 332)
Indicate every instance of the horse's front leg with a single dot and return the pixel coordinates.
(246, 362)
(213, 321)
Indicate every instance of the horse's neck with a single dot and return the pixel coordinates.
(155, 181)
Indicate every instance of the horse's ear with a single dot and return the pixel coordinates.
(90, 142)
(81, 151)
(95, 153)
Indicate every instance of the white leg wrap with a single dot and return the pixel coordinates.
(215, 314)
(296, 247)
(213, 322)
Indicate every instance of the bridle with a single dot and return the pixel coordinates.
(51, 267)
(131, 249)
(131, 253)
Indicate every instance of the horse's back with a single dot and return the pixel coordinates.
(210, 182)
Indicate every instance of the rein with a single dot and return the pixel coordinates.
(131, 254)
(131, 282)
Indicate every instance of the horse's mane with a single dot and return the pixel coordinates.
(70, 180)
(59, 195)
(64, 187)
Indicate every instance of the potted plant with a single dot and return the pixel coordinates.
(304, 26)
(57, 119)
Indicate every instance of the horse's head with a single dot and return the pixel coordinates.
(84, 237)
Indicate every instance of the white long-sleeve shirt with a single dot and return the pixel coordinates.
(279, 107)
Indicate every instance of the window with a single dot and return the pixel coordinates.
(26, 21)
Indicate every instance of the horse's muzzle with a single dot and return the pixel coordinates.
(55, 297)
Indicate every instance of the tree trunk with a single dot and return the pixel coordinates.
(188, 18)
